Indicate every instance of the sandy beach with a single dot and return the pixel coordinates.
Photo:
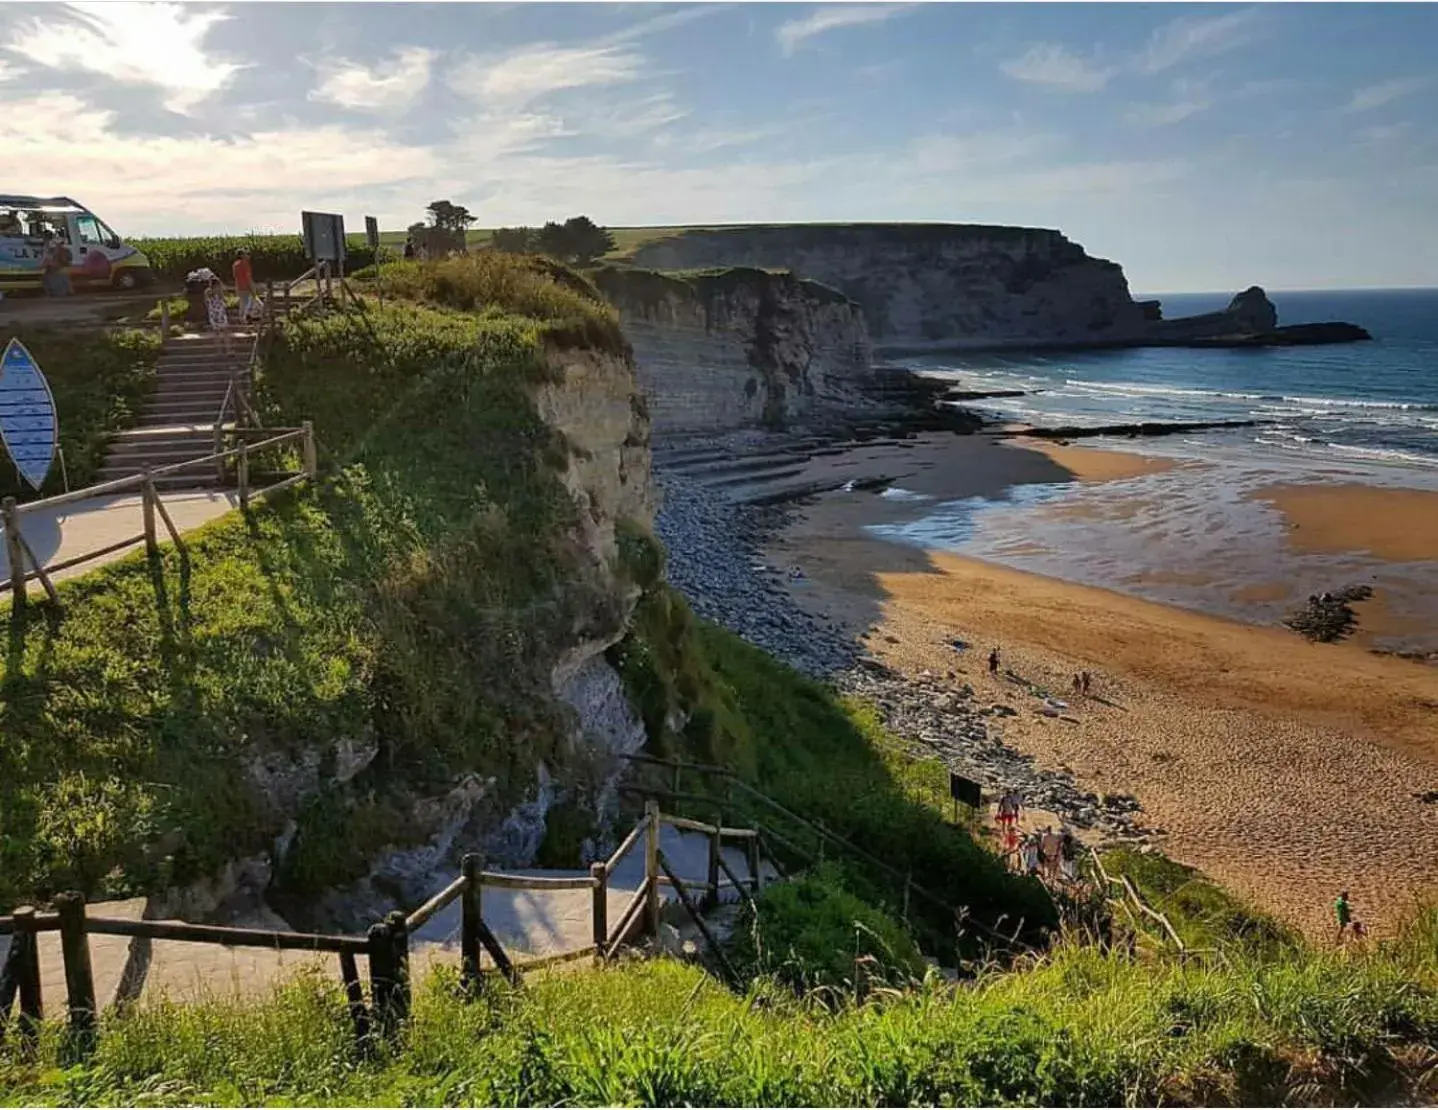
(1286, 770)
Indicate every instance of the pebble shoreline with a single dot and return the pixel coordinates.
(715, 560)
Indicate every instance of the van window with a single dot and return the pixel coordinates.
(111, 239)
(89, 229)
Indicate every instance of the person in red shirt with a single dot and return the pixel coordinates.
(244, 284)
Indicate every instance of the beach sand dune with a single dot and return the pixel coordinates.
(1285, 770)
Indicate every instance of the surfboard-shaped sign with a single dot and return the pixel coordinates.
(29, 425)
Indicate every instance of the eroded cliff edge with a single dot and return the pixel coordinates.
(935, 284)
(740, 347)
(948, 286)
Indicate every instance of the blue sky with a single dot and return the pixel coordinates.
(1202, 146)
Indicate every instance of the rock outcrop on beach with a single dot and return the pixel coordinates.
(740, 346)
(1250, 320)
(971, 286)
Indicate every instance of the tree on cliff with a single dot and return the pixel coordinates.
(578, 241)
(513, 240)
(449, 216)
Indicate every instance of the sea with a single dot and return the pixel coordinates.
(1201, 535)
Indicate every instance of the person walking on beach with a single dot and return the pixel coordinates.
(994, 662)
(1029, 854)
(1078, 683)
(1068, 854)
(1084, 681)
(1343, 914)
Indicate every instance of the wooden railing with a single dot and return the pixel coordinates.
(20, 553)
(824, 839)
(387, 944)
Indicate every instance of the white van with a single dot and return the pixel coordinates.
(98, 257)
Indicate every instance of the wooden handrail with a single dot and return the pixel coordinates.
(624, 846)
(425, 912)
(227, 935)
(536, 882)
(627, 920)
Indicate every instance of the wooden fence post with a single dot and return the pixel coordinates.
(711, 899)
(908, 882)
(312, 459)
(26, 963)
(147, 511)
(600, 874)
(359, 1018)
(267, 318)
(14, 551)
(651, 867)
(244, 475)
(399, 937)
(472, 909)
(381, 978)
(751, 853)
(79, 977)
(822, 838)
(678, 773)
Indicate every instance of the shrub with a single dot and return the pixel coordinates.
(813, 931)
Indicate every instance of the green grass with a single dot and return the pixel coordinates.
(1077, 1028)
(99, 381)
(417, 599)
(820, 756)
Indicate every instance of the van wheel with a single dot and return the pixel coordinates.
(125, 280)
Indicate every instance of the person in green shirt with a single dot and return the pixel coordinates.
(1343, 912)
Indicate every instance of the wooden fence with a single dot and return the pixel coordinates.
(823, 839)
(386, 946)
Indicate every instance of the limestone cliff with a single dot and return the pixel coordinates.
(935, 285)
(728, 348)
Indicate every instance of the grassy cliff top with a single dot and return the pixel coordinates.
(413, 599)
(630, 286)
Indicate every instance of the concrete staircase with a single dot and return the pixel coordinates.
(178, 421)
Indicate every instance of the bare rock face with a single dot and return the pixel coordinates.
(935, 285)
(739, 347)
(1252, 312)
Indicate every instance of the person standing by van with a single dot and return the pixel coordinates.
(244, 284)
(55, 266)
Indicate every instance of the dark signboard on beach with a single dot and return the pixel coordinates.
(29, 426)
(965, 790)
(371, 232)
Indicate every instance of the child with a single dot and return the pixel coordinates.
(215, 309)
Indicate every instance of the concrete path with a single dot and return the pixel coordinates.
(70, 530)
(530, 924)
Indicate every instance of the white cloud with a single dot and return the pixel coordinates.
(1164, 115)
(1189, 99)
(1384, 132)
(9, 72)
(169, 184)
(1190, 37)
(159, 44)
(389, 86)
(1370, 97)
(1051, 64)
(534, 71)
(821, 20)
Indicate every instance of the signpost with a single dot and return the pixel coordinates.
(29, 425)
(964, 790)
(371, 234)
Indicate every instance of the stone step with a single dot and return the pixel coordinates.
(742, 465)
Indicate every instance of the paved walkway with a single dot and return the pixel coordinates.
(61, 533)
(530, 924)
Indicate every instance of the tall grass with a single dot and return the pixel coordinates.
(1078, 1028)
(272, 257)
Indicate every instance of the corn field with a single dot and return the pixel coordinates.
(273, 257)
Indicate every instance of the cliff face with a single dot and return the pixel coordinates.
(936, 285)
(739, 346)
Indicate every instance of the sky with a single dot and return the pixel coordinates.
(1202, 146)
